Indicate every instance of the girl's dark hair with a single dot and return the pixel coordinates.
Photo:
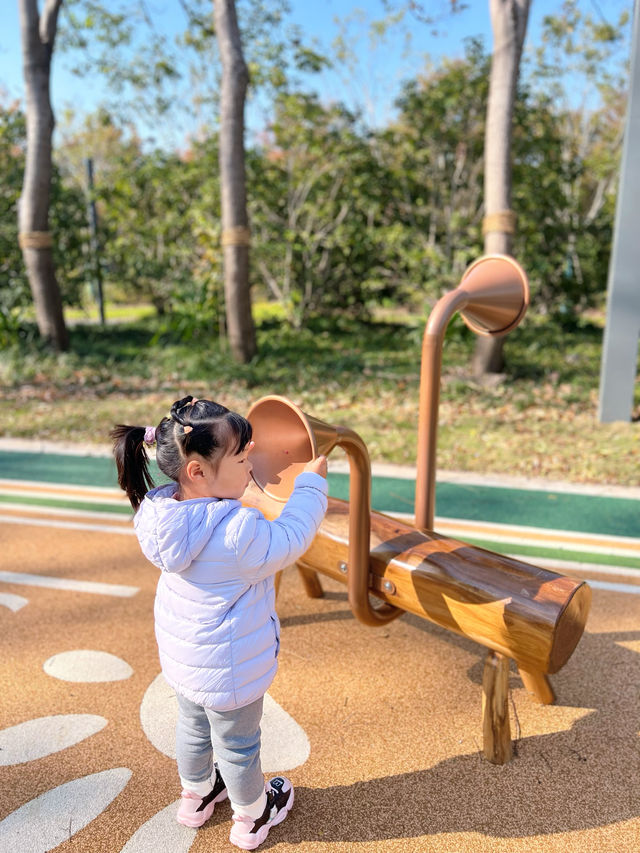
(193, 426)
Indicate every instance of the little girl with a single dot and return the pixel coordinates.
(215, 619)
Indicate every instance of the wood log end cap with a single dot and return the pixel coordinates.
(570, 627)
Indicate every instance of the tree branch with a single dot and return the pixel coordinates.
(273, 284)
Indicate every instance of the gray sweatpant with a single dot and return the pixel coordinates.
(232, 736)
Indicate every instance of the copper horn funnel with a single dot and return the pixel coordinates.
(497, 295)
(492, 297)
(285, 440)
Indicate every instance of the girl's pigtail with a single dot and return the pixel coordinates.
(132, 462)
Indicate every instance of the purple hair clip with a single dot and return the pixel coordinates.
(149, 435)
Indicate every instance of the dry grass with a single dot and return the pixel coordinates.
(539, 419)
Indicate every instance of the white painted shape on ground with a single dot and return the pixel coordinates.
(68, 585)
(87, 665)
(158, 715)
(13, 602)
(285, 744)
(161, 834)
(45, 735)
(56, 816)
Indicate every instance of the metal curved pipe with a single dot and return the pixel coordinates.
(430, 371)
(492, 296)
(358, 566)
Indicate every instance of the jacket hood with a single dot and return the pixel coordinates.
(172, 533)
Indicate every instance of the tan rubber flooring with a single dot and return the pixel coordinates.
(392, 716)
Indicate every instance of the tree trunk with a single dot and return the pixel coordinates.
(509, 24)
(235, 230)
(37, 37)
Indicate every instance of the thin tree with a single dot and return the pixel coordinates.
(509, 24)
(37, 37)
(235, 224)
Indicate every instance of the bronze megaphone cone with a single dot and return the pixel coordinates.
(285, 440)
(497, 295)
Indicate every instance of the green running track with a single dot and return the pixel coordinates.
(562, 527)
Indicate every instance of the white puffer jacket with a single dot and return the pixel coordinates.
(216, 625)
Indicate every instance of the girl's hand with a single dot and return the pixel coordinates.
(317, 466)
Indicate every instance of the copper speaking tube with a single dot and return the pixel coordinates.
(492, 297)
(285, 440)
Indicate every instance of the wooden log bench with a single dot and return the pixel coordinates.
(517, 611)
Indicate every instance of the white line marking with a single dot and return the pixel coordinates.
(30, 485)
(37, 509)
(495, 528)
(68, 585)
(537, 484)
(52, 494)
(565, 540)
(63, 448)
(66, 525)
(544, 562)
(615, 587)
(574, 566)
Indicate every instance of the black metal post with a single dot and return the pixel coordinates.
(95, 247)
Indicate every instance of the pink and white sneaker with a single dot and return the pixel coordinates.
(249, 834)
(195, 810)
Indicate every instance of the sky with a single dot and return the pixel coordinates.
(372, 85)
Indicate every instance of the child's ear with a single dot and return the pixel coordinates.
(194, 469)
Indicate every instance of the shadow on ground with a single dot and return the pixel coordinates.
(584, 777)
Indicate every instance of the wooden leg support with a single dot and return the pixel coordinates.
(538, 684)
(276, 582)
(496, 730)
(311, 582)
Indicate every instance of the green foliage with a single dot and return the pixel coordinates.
(169, 71)
(434, 151)
(344, 219)
(580, 138)
(161, 237)
(68, 219)
(317, 193)
(585, 48)
(14, 288)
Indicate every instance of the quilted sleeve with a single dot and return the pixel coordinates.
(264, 547)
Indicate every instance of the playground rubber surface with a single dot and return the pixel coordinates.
(379, 729)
